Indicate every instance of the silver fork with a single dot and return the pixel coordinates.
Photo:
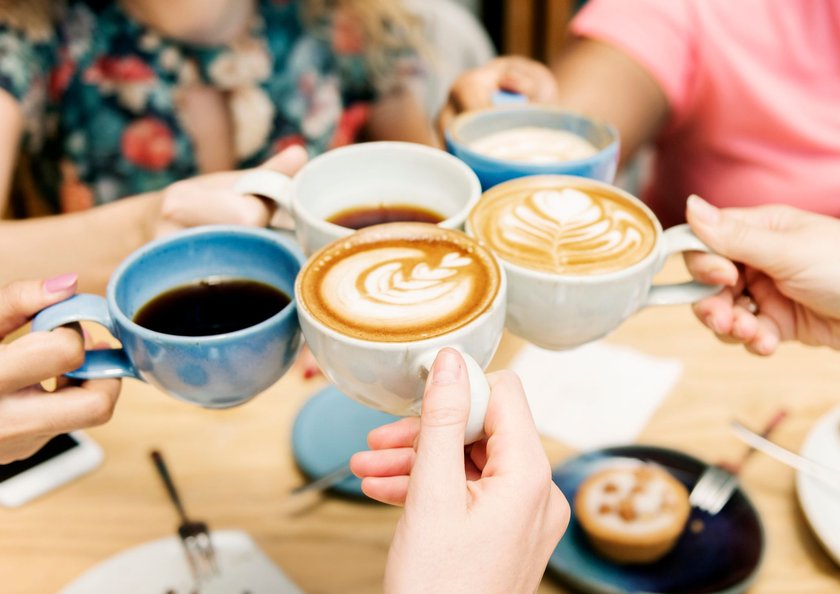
(718, 482)
(194, 535)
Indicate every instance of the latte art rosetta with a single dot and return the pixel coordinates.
(400, 282)
(391, 284)
(563, 230)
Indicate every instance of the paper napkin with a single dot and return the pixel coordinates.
(596, 395)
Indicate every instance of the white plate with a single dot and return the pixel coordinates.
(159, 567)
(820, 502)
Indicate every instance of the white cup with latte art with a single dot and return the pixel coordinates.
(376, 307)
(580, 256)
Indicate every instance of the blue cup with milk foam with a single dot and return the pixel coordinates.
(593, 154)
(214, 371)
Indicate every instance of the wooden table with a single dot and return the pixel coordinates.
(235, 469)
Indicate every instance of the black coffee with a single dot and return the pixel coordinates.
(359, 217)
(211, 307)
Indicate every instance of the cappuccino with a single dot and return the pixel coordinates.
(399, 282)
(534, 145)
(563, 227)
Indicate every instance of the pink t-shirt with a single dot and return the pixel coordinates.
(754, 90)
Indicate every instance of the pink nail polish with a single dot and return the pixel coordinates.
(61, 283)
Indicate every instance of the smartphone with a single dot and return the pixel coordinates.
(64, 458)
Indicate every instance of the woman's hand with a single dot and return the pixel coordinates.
(481, 519)
(30, 415)
(788, 283)
(475, 88)
(210, 199)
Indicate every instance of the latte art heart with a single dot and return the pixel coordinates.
(562, 229)
(409, 287)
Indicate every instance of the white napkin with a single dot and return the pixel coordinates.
(596, 395)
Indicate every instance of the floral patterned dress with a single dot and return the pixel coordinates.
(99, 90)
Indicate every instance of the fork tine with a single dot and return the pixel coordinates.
(723, 494)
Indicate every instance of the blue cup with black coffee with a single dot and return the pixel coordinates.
(206, 315)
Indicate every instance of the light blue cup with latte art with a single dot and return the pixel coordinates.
(580, 256)
(466, 132)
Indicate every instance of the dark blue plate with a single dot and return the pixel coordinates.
(722, 558)
(328, 430)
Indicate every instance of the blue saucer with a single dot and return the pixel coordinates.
(328, 430)
(722, 558)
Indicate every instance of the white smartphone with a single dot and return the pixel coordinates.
(64, 458)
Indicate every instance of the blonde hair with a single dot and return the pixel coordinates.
(388, 28)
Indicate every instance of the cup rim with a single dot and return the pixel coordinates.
(499, 300)
(206, 230)
(452, 136)
(299, 207)
(595, 278)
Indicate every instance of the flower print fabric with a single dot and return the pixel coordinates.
(99, 94)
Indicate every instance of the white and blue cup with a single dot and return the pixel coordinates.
(580, 257)
(471, 126)
(216, 371)
(366, 174)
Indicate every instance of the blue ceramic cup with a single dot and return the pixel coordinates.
(470, 126)
(216, 371)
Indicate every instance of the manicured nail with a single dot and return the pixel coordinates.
(61, 283)
(703, 211)
(447, 368)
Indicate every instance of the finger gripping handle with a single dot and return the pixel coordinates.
(98, 364)
(681, 239)
(479, 393)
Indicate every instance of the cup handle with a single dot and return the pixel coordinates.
(269, 184)
(681, 239)
(479, 393)
(98, 364)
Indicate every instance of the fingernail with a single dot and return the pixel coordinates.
(703, 211)
(447, 368)
(711, 322)
(61, 283)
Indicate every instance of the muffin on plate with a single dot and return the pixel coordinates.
(632, 513)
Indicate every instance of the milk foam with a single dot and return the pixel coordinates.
(563, 230)
(424, 282)
(534, 145)
(388, 285)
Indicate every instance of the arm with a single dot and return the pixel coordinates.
(400, 116)
(94, 242)
(590, 77)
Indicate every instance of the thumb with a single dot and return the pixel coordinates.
(21, 300)
(744, 236)
(438, 472)
(288, 161)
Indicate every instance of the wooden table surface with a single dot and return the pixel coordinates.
(235, 469)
